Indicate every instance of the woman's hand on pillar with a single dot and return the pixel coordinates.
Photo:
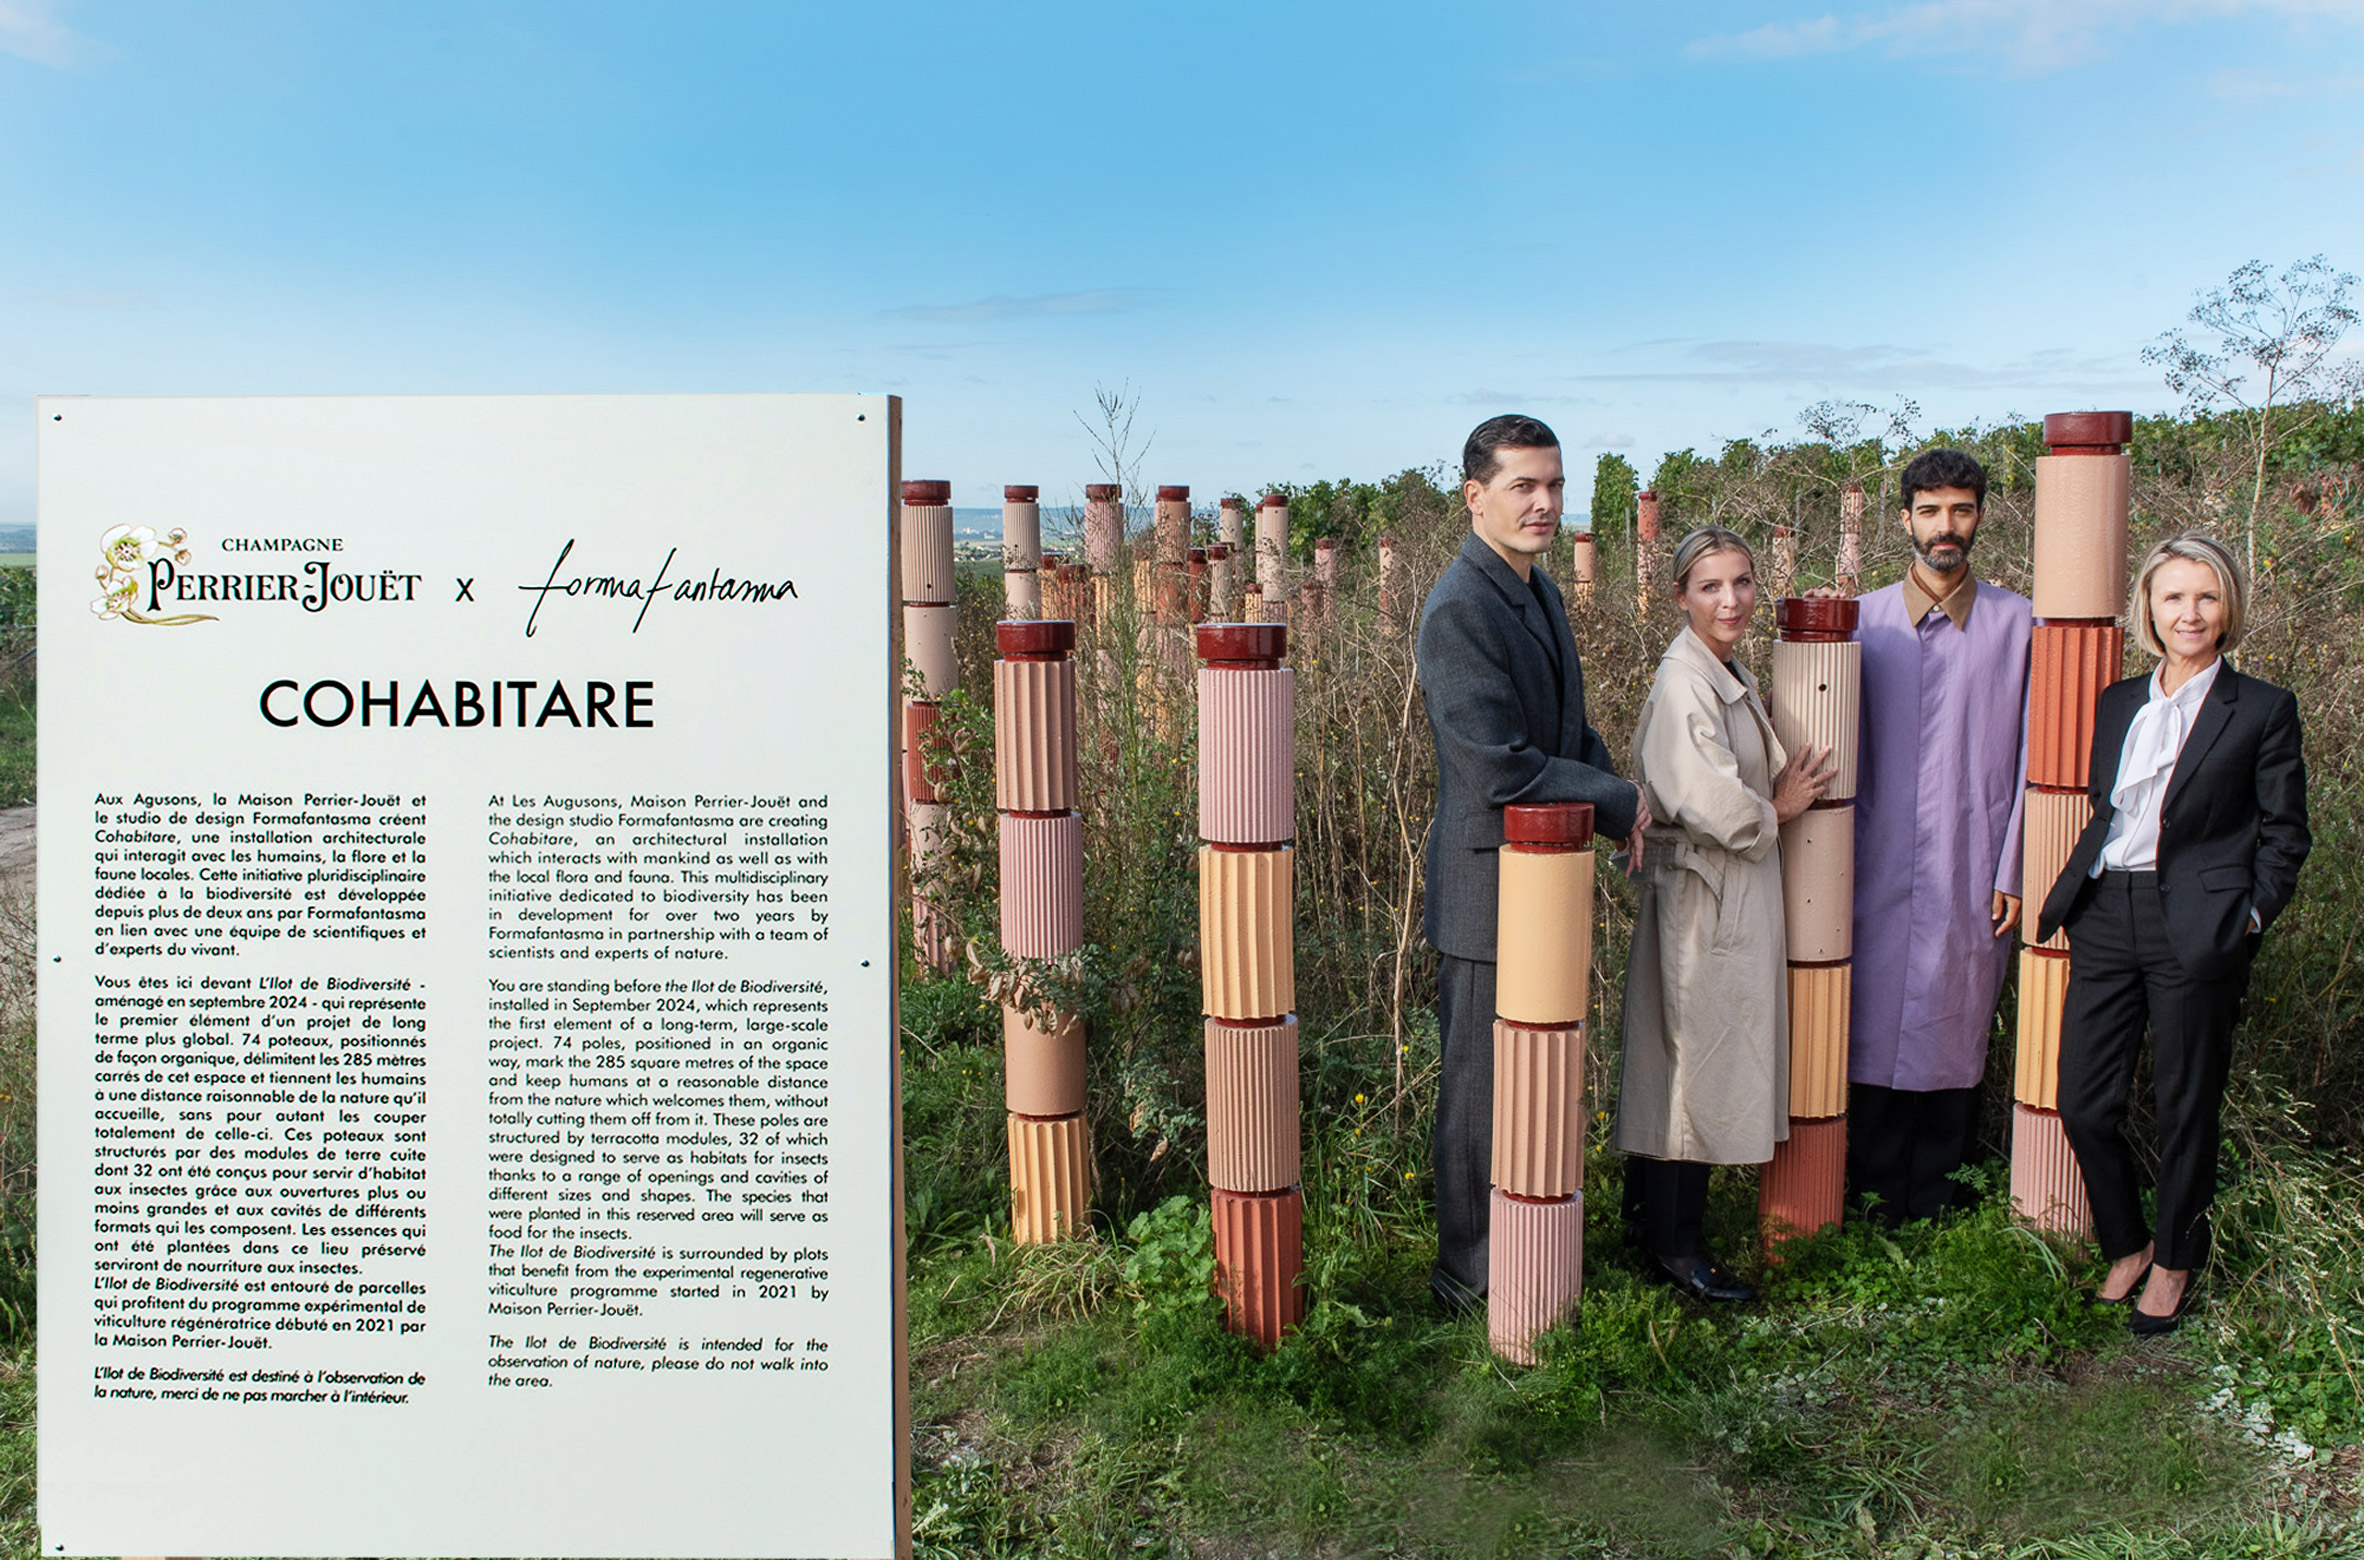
(1802, 781)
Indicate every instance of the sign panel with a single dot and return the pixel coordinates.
(467, 977)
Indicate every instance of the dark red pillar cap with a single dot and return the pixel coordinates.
(2088, 433)
(927, 492)
(1809, 618)
(1548, 823)
(1243, 644)
(1034, 636)
(1020, 493)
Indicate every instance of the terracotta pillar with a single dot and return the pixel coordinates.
(1817, 700)
(1583, 565)
(930, 620)
(1272, 553)
(1251, 603)
(2080, 592)
(1220, 584)
(1021, 550)
(1781, 574)
(1247, 971)
(1390, 583)
(1851, 539)
(1543, 990)
(1104, 539)
(1645, 543)
(1322, 593)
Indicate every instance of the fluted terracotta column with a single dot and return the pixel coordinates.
(1103, 539)
(1645, 543)
(1251, 603)
(1781, 576)
(1231, 534)
(1321, 592)
(1021, 550)
(1817, 702)
(1583, 565)
(1221, 585)
(1851, 539)
(1034, 785)
(1272, 555)
(2080, 593)
(1542, 991)
(930, 621)
(1247, 964)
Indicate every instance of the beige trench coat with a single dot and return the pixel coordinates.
(1706, 1064)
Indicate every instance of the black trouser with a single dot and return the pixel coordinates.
(1464, 1142)
(1665, 1204)
(1903, 1147)
(2122, 975)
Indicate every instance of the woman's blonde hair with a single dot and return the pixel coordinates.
(1706, 542)
(2193, 547)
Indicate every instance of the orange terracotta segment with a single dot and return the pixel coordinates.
(1534, 1271)
(1247, 747)
(1034, 736)
(2068, 666)
(2047, 1188)
(1818, 702)
(926, 770)
(1584, 563)
(927, 552)
(1260, 1262)
(1543, 940)
(2050, 824)
(1041, 885)
(1042, 1069)
(1050, 1178)
(1818, 997)
(1818, 884)
(927, 644)
(1252, 1106)
(2080, 535)
(1804, 1189)
(2043, 988)
(1246, 933)
(1538, 1110)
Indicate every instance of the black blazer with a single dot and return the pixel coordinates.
(1505, 696)
(2232, 827)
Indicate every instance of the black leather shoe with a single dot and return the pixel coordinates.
(2143, 1324)
(1701, 1279)
(2101, 1304)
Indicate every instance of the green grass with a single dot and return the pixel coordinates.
(16, 560)
(18, 718)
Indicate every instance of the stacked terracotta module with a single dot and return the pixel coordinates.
(1272, 552)
(2080, 590)
(930, 621)
(1034, 781)
(1817, 700)
(1021, 550)
(1543, 985)
(1247, 963)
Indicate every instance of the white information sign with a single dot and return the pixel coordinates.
(467, 977)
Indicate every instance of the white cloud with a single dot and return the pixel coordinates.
(1879, 367)
(1105, 300)
(29, 29)
(2033, 36)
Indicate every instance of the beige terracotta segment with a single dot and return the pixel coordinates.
(1246, 932)
(1543, 941)
(1252, 1106)
(2047, 1188)
(927, 552)
(1804, 1189)
(1818, 884)
(1034, 736)
(2080, 535)
(1585, 561)
(1247, 744)
(1021, 591)
(2068, 666)
(2043, 988)
(1050, 1178)
(1042, 1069)
(1534, 1270)
(2050, 824)
(1818, 1027)
(1818, 702)
(1021, 534)
(1538, 1110)
(1041, 885)
(927, 644)
(1260, 1262)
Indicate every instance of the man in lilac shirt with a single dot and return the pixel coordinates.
(1937, 819)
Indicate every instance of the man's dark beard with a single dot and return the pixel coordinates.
(1922, 549)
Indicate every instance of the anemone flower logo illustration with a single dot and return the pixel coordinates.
(124, 553)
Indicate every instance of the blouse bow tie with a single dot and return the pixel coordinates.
(2153, 743)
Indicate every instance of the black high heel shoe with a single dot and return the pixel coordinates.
(2100, 1302)
(2143, 1324)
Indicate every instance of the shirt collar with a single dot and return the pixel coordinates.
(2195, 688)
(1956, 604)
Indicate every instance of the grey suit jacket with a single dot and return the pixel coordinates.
(1508, 717)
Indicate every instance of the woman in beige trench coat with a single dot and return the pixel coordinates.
(1706, 1057)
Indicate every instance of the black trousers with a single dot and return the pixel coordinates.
(1665, 1205)
(1464, 1143)
(2123, 975)
(1903, 1147)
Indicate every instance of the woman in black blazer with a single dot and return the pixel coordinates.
(2199, 825)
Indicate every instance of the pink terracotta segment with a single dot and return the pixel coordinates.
(1247, 744)
(1041, 885)
(2080, 535)
(1042, 1069)
(1260, 1262)
(1021, 532)
(2047, 1188)
(927, 552)
(2043, 988)
(2068, 666)
(1543, 943)
(1818, 702)
(1818, 1024)
(1583, 565)
(1050, 1178)
(2050, 824)
(1252, 1106)
(925, 768)
(927, 644)
(1538, 1110)
(1103, 526)
(1034, 736)
(1804, 1189)
(1246, 933)
(1534, 1270)
(1818, 884)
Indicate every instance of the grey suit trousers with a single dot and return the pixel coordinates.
(1464, 1142)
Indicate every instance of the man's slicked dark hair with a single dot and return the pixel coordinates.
(1512, 430)
(1944, 469)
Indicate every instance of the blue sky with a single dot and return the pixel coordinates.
(1315, 239)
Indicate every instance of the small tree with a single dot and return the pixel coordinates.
(2264, 343)
(1614, 484)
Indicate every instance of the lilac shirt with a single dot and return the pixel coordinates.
(1937, 815)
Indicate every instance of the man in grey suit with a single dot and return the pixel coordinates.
(1505, 697)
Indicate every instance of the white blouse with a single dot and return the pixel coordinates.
(2154, 741)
